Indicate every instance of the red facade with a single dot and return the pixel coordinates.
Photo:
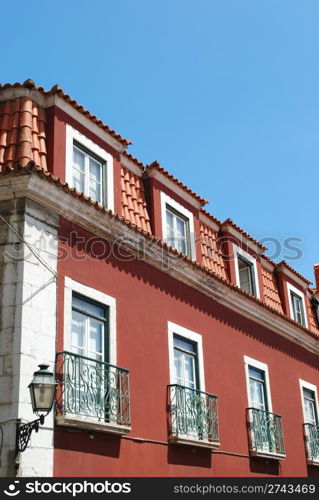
(207, 299)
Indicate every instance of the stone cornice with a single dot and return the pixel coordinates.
(97, 221)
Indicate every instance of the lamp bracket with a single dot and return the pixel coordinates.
(24, 432)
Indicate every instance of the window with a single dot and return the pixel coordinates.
(297, 305)
(192, 412)
(93, 392)
(177, 231)
(246, 271)
(178, 226)
(265, 428)
(297, 308)
(185, 362)
(89, 168)
(88, 173)
(257, 387)
(89, 328)
(246, 275)
(309, 400)
(89, 322)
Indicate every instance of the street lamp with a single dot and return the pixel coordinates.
(42, 392)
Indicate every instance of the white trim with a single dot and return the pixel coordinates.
(167, 200)
(189, 335)
(296, 291)
(74, 286)
(239, 251)
(306, 385)
(73, 134)
(260, 366)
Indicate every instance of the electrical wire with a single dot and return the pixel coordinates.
(37, 256)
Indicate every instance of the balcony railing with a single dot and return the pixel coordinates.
(265, 434)
(91, 390)
(193, 417)
(311, 433)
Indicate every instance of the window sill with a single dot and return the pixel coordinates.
(194, 442)
(91, 425)
(267, 454)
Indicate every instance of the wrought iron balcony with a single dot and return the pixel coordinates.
(92, 394)
(311, 433)
(193, 417)
(266, 437)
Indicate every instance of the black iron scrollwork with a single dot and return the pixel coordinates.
(24, 432)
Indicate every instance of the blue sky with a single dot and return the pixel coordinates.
(223, 93)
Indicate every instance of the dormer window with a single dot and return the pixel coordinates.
(246, 275)
(177, 230)
(177, 226)
(246, 271)
(88, 172)
(89, 168)
(297, 305)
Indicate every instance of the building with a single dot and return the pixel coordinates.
(180, 348)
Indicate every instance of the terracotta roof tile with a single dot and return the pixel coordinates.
(22, 133)
(156, 166)
(58, 91)
(133, 200)
(271, 293)
(211, 253)
(32, 168)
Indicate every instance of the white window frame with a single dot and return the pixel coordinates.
(174, 329)
(296, 291)
(167, 200)
(74, 135)
(106, 300)
(306, 385)
(237, 251)
(259, 366)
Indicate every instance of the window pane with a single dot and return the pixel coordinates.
(88, 307)
(178, 367)
(96, 336)
(184, 344)
(180, 226)
(189, 374)
(78, 331)
(78, 160)
(95, 170)
(95, 191)
(78, 180)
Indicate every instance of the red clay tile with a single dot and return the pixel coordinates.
(22, 133)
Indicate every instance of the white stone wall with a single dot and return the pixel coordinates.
(28, 331)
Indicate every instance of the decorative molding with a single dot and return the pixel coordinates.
(97, 222)
(155, 174)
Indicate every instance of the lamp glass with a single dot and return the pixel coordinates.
(42, 390)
